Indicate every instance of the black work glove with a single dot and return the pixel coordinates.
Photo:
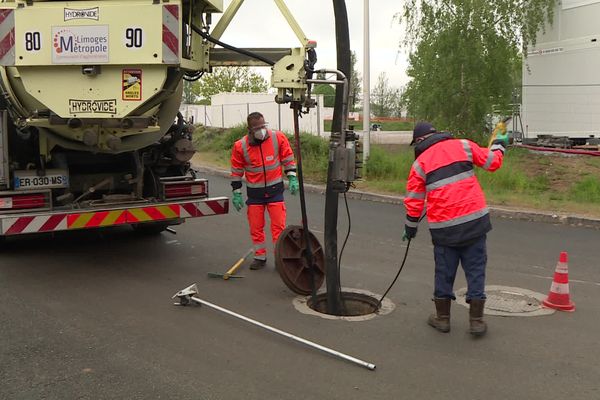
(409, 233)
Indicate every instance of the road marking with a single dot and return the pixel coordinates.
(570, 280)
(537, 267)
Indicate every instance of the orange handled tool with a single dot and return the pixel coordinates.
(231, 271)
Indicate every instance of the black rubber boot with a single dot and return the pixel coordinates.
(258, 264)
(441, 319)
(477, 327)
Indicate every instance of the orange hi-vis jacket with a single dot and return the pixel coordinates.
(261, 163)
(442, 179)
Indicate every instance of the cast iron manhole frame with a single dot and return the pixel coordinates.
(538, 297)
(387, 306)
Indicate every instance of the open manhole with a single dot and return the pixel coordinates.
(509, 301)
(357, 305)
(353, 304)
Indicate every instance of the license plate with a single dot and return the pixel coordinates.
(54, 178)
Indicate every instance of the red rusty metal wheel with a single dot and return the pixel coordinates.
(291, 262)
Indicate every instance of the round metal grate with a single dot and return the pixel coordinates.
(509, 301)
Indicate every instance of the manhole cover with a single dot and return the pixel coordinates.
(509, 301)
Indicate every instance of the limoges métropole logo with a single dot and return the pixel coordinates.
(80, 44)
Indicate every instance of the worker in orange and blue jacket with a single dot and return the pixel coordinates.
(442, 181)
(260, 156)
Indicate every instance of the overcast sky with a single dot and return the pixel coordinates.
(260, 24)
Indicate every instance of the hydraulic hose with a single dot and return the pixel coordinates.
(230, 47)
(397, 275)
(308, 254)
(399, 270)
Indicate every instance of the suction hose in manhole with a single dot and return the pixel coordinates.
(353, 304)
(358, 305)
(295, 272)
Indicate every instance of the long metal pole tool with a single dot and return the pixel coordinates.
(188, 294)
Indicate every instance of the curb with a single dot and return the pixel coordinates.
(500, 212)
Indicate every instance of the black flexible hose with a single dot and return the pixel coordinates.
(308, 255)
(230, 47)
(343, 304)
(180, 125)
(397, 275)
(194, 77)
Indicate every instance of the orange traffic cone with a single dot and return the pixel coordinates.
(559, 297)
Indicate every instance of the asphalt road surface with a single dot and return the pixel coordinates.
(89, 315)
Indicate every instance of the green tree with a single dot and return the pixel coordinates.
(385, 100)
(355, 84)
(224, 80)
(328, 93)
(188, 93)
(465, 56)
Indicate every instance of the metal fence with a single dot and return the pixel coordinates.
(231, 109)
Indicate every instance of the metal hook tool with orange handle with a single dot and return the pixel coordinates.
(231, 271)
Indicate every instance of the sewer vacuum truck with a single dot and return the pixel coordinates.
(90, 132)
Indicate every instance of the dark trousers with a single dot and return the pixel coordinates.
(473, 259)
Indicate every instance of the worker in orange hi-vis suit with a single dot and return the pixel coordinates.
(260, 156)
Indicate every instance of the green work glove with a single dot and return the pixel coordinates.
(503, 137)
(238, 201)
(294, 185)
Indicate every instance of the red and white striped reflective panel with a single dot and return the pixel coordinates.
(7, 37)
(204, 208)
(170, 34)
(32, 224)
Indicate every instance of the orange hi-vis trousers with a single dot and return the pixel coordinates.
(256, 220)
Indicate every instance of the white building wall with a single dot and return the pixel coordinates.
(561, 75)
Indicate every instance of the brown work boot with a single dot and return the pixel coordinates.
(477, 327)
(258, 264)
(441, 319)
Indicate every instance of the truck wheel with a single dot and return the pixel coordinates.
(152, 228)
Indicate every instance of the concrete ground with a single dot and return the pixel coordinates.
(88, 315)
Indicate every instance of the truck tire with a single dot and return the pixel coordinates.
(152, 228)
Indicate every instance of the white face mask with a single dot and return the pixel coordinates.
(260, 134)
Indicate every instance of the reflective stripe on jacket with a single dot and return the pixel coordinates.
(261, 163)
(442, 177)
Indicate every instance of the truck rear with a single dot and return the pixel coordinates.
(90, 134)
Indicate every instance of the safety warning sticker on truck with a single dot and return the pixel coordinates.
(132, 84)
(29, 179)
